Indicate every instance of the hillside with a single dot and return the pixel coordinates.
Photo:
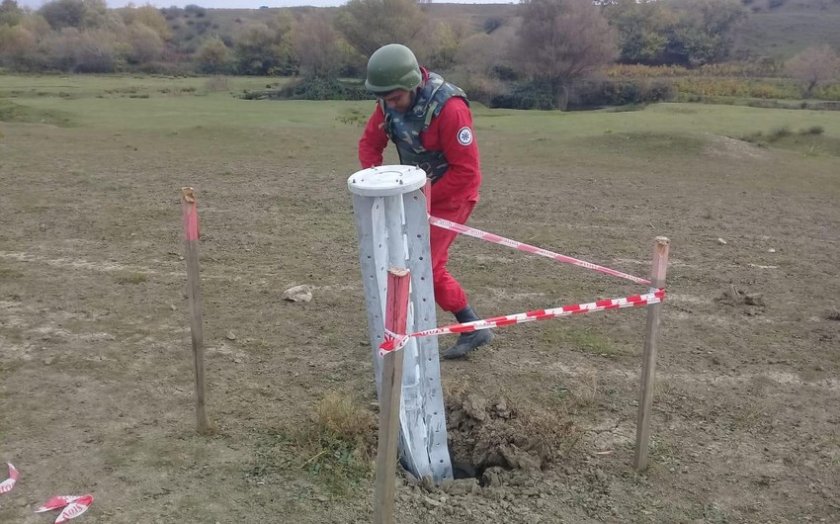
(785, 30)
(773, 28)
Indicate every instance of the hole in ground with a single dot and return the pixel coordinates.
(490, 438)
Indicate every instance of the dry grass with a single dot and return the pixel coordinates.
(130, 278)
(342, 416)
(581, 393)
(341, 442)
(216, 84)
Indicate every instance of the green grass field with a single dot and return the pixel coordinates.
(145, 103)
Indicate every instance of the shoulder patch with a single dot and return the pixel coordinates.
(465, 136)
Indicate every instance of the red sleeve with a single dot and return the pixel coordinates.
(374, 140)
(457, 140)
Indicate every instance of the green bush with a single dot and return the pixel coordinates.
(587, 94)
(325, 88)
(313, 88)
(620, 92)
(530, 95)
(774, 135)
(738, 87)
(828, 92)
(779, 133)
(479, 87)
(504, 73)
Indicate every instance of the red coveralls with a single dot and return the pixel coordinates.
(454, 195)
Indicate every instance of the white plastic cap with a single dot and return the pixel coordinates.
(386, 180)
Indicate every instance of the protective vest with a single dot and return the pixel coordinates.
(404, 128)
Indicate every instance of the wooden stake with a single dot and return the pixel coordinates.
(396, 313)
(657, 278)
(190, 220)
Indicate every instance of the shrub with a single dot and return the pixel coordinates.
(779, 133)
(18, 48)
(774, 135)
(146, 45)
(761, 68)
(530, 95)
(492, 23)
(479, 87)
(620, 92)
(313, 88)
(213, 56)
(504, 72)
(737, 87)
(828, 92)
(325, 88)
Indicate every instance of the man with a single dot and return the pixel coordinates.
(430, 122)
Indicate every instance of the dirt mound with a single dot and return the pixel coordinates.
(489, 436)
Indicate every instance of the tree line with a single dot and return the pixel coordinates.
(548, 46)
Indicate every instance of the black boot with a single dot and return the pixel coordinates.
(468, 341)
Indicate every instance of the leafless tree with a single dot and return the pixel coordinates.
(316, 44)
(481, 53)
(561, 41)
(369, 24)
(813, 67)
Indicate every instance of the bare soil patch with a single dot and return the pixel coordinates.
(96, 380)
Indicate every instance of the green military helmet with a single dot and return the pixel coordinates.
(391, 67)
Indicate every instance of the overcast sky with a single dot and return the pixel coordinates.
(246, 4)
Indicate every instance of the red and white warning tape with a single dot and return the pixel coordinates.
(57, 502)
(71, 506)
(74, 508)
(394, 342)
(496, 239)
(7, 485)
